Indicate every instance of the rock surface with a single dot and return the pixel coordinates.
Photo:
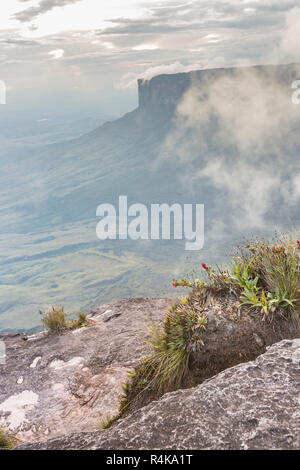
(51, 385)
(254, 405)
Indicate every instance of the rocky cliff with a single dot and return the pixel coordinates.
(55, 390)
(251, 406)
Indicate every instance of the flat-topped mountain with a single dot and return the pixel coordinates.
(167, 90)
(225, 138)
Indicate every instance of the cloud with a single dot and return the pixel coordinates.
(289, 44)
(129, 80)
(20, 42)
(43, 7)
(57, 53)
(202, 15)
(206, 33)
(145, 47)
(236, 132)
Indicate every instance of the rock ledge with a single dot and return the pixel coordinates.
(254, 405)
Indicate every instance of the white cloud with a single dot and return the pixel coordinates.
(237, 134)
(212, 38)
(57, 16)
(108, 45)
(249, 11)
(129, 80)
(57, 53)
(145, 47)
(289, 44)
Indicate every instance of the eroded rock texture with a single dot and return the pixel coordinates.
(51, 385)
(254, 405)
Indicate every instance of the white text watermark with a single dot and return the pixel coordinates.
(2, 92)
(162, 222)
(2, 352)
(296, 94)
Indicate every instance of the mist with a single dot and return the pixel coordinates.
(239, 134)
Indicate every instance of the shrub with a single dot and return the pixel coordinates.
(168, 366)
(266, 279)
(78, 322)
(55, 320)
(6, 440)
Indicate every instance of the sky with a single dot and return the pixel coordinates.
(80, 55)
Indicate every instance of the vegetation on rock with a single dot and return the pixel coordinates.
(227, 319)
(264, 278)
(6, 440)
(55, 320)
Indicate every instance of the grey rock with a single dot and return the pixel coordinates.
(51, 385)
(254, 405)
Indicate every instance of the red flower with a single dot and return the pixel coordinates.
(205, 267)
(277, 250)
(173, 284)
(298, 243)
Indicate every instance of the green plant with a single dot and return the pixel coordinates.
(55, 320)
(107, 422)
(168, 366)
(79, 322)
(265, 278)
(277, 283)
(241, 274)
(6, 440)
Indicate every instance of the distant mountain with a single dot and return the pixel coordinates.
(227, 138)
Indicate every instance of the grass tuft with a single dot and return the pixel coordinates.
(6, 440)
(55, 320)
(168, 366)
(108, 421)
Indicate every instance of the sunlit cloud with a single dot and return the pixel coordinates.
(108, 45)
(212, 38)
(57, 53)
(250, 11)
(145, 47)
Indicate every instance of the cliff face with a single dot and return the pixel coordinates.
(163, 90)
(166, 90)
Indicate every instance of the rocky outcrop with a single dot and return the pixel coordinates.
(55, 389)
(254, 405)
(231, 335)
(56, 384)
